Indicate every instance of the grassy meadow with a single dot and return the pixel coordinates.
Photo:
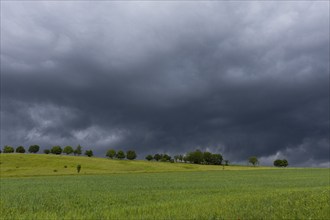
(44, 165)
(150, 190)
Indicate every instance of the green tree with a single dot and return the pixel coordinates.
(111, 153)
(253, 160)
(68, 150)
(131, 155)
(34, 148)
(78, 150)
(277, 163)
(8, 149)
(149, 157)
(195, 157)
(56, 150)
(227, 162)
(89, 153)
(285, 163)
(120, 155)
(157, 157)
(46, 151)
(20, 149)
(165, 157)
(216, 159)
(207, 157)
(281, 163)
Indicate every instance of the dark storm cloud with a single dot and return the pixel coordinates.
(237, 78)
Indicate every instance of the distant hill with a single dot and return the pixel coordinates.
(20, 165)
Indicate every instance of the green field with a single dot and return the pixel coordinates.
(44, 165)
(160, 194)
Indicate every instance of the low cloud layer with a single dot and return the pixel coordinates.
(237, 78)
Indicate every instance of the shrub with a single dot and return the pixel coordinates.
(89, 153)
(68, 150)
(78, 168)
(8, 149)
(120, 154)
(131, 155)
(20, 149)
(111, 153)
(149, 157)
(56, 150)
(46, 151)
(34, 148)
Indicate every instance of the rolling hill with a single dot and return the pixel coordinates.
(16, 165)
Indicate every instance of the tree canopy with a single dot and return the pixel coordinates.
(34, 148)
(131, 155)
(56, 150)
(281, 163)
(78, 150)
(68, 150)
(8, 149)
(120, 155)
(149, 157)
(89, 153)
(253, 160)
(20, 149)
(111, 153)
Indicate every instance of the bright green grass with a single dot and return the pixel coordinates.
(245, 194)
(17, 165)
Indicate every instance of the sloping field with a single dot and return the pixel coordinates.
(18, 165)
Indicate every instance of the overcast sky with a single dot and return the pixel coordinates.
(237, 78)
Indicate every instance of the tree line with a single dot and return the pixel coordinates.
(195, 157)
(20, 149)
(54, 150)
(130, 154)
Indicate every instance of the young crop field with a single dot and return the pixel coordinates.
(223, 194)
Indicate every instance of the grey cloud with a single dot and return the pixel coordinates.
(240, 78)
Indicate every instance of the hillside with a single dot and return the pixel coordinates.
(16, 165)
